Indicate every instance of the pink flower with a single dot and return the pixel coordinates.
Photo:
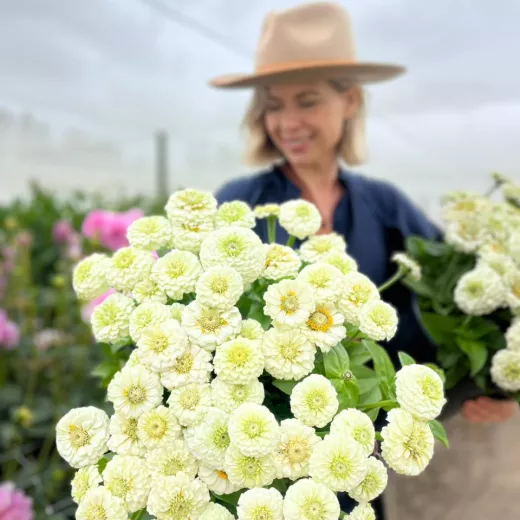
(94, 223)
(9, 335)
(88, 309)
(14, 504)
(62, 231)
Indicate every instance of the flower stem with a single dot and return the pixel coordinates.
(138, 515)
(391, 281)
(291, 241)
(271, 229)
(379, 404)
(352, 338)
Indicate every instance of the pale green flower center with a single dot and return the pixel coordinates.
(316, 400)
(289, 303)
(359, 295)
(296, 451)
(124, 259)
(239, 393)
(475, 289)
(130, 429)
(173, 465)
(148, 226)
(144, 319)
(83, 272)
(250, 467)
(239, 356)
(232, 246)
(320, 279)
(380, 317)
(156, 427)
(371, 482)
(512, 372)
(219, 284)
(78, 436)
(180, 507)
(176, 269)
(262, 512)
(303, 211)
(320, 320)
(416, 443)
(220, 437)
(184, 363)
(109, 315)
(232, 213)
(119, 487)
(189, 399)
(430, 388)
(361, 435)
(289, 349)
(158, 341)
(82, 486)
(96, 512)
(340, 466)
(210, 320)
(135, 395)
(313, 509)
(321, 246)
(253, 427)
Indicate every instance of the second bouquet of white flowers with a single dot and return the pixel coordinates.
(243, 379)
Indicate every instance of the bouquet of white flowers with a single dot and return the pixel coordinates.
(469, 292)
(244, 377)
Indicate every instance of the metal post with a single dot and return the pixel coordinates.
(161, 163)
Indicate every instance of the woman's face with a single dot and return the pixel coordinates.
(306, 121)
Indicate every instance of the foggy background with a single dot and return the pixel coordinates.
(84, 85)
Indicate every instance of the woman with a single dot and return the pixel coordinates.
(306, 115)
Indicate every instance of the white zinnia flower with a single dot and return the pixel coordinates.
(378, 320)
(281, 262)
(260, 504)
(325, 281)
(176, 273)
(373, 484)
(314, 401)
(148, 291)
(235, 213)
(408, 443)
(209, 440)
(127, 478)
(159, 346)
(219, 287)
(135, 390)
(288, 354)
(513, 336)
(239, 361)
(505, 370)
(188, 236)
(294, 451)
(420, 391)
(251, 329)
(253, 429)
(147, 315)
(316, 248)
(479, 292)
(191, 205)
(124, 439)
(158, 428)
(173, 498)
(289, 302)
(81, 436)
(176, 310)
(89, 277)
(217, 481)
(300, 218)
(357, 425)
(127, 267)
(247, 471)
(344, 262)
(190, 403)
(208, 327)
(100, 503)
(310, 500)
(339, 463)
(266, 210)
(235, 247)
(84, 480)
(325, 328)
(229, 397)
(357, 291)
(466, 234)
(362, 512)
(111, 319)
(214, 511)
(150, 233)
(499, 262)
(513, 290)
(192, 366)
(408, 264)
(170, 459)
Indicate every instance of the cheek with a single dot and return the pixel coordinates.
(270, 124)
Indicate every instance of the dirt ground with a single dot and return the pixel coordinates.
(478, 478)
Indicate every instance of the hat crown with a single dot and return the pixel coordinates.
(308, 33)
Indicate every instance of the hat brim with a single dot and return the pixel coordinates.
(360, 73)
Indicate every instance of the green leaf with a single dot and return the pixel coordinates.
(382, 363)
(374, 396)
(439, 432)
(456, 373)
(440, 328)
(476, 352)
(231, 499)
(285, 386)
(363, 372)
(336, 362)
(348, 392)
(124, 342)
(358, 354)
(405, 359)
(365, 385)
(477, 328)
(256, 312)
(104, 461)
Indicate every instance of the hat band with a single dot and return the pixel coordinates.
(307, 64)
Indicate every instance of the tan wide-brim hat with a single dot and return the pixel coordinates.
(308, 42)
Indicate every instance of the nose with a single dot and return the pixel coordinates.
(290, 120)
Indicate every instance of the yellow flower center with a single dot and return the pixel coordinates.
(289, 349)
(316, 400)
(176, 269)
(210, 321)
(172, 466)
(512, 372)
(296, 451)
(158, 341)
(184, 363)
(303, 211)
(239, 356)
(123, 259)
(361, 435)
(261, 513)
(156, 427)
(289, 303)
(219, 284)
(233, 246)
(320, 320)
(96, 512)
(320, 279)
(220, 438)
(321, 246)
(189, 399)
(359, 295)
(130, 429)
(180, 507)
(78, 436)
(135, 395)
(415, 444)
(340, 466)
(430, 389)
(313, 509)
(239, 393)
(119, 487)
(222, 474)
(253, 428)
(250, 467)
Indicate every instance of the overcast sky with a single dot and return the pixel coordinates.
(119, 70)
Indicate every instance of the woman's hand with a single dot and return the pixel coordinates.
(485, 410)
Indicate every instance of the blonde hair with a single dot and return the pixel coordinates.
(260, 150)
